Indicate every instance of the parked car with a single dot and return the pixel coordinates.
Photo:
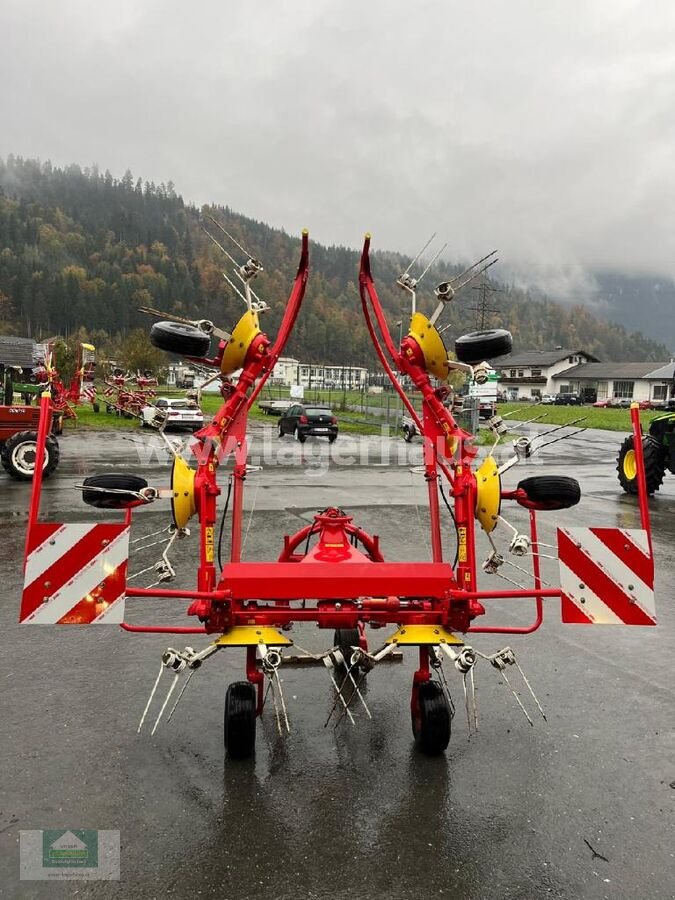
(180, 412)
(601, 404)
(571, 399)
(302, 421)
(547, 399)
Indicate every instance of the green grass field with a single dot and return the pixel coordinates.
(605, 419)
(349, 406)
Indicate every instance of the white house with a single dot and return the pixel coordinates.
(347, 377)
(620, 381)
(528, 375)
(285, 371)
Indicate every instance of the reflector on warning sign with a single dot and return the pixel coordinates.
(75, 574)
(606, 577)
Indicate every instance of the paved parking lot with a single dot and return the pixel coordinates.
(353, 811)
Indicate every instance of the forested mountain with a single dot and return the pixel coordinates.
(643, 302)
(81, 248)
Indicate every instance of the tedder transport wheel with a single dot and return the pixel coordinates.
(113, 483)
(655, 465)
(552, 491)
(239, 720)
(430, 718)
(408, 434)
(481, 345)
(345, 639)
(18, 455)
(184, 340)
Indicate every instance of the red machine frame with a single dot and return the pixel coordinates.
(344, 575)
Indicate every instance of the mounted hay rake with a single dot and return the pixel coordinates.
(332, 572)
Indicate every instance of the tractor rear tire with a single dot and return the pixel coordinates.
(239, 720)
(478, 346)
(655, 465)
(18, 455)
(552, 491)
(183, 340)
(431, 721)
(113, 482)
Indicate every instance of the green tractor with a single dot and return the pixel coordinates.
(658, 449)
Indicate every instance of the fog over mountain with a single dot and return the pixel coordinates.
(545, 130)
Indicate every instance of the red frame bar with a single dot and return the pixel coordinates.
(36, 489)
(641, 477)
(335, 581)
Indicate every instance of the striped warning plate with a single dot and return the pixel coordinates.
(606, 576)
(75, 574)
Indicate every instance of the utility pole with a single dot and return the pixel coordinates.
(482, 309)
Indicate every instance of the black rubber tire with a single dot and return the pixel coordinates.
(655, 464)
(18, 455)
(57, 424)
(96, 406)
(432, 725)
(184, 340)
(346, 639)
(299, 436)
(239, 720)
(279, 431)
(120, 482)
(478, 346)
(332, 438)
(552, 491)
(408, 434)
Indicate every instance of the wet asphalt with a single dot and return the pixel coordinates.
(352, 811)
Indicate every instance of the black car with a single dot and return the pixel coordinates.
(301, 421)
(571, 399)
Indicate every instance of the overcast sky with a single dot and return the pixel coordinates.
(544, 128)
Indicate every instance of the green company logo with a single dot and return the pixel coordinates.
(70, 848)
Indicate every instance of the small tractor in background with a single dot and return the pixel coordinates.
(18, 442)
(658, 450)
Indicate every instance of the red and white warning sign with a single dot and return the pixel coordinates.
(89, 393)
(75, 574)
(606, 576)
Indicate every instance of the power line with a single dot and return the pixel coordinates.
(482, 309)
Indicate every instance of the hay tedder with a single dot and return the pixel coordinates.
(332, 572)
(127, 395)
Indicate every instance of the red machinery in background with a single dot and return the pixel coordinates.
(81, 388)
(331, 572)
(128, 394)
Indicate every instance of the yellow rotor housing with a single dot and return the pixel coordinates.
(245, 332)
(488, 494)
(182, 492)
(431, 344)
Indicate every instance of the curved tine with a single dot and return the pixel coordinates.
(150, 311)
(473, 275)
(431, 262)
(227, 233)
(413, 261)
(234, 286)
(220, 246)
(472, 266)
